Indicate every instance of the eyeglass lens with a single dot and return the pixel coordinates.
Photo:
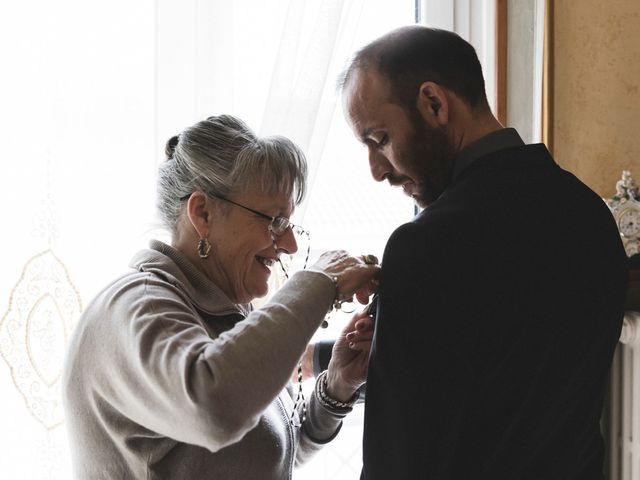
(279, 226)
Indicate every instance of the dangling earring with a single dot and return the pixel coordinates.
(204, 247)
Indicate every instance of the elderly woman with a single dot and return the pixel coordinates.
(171, 374)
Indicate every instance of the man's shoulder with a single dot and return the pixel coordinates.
(417, 228)
(430, 235)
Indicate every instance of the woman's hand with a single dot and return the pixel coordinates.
(353, 275)
(350, 358)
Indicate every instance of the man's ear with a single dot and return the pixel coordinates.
(199, 213)
(433, 104)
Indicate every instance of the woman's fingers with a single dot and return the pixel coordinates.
(364, 346)
(360, 336)
(352, 280)
(364, 325)
(367, 322)
(369, 288)
(353, 274)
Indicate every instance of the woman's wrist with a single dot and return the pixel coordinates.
(328, 401)
(341, 391)
(334, 281)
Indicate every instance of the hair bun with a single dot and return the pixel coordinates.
(170, 147)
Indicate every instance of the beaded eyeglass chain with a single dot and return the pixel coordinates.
(337, 305)
(300, 396)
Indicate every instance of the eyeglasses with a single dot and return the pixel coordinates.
(277, 225)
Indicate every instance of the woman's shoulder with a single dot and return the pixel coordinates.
(133, 295)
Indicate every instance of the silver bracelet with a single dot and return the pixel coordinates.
(328, 401)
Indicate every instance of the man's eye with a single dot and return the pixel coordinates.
(372, 142)
(377, 143)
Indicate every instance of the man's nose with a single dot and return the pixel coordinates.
(379, 165)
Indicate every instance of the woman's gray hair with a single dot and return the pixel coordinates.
(222, 156)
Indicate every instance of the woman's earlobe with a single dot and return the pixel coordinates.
(198, 213)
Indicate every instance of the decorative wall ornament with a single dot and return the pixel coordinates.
(34, 332)
(625, 206)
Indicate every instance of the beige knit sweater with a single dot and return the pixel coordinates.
(165, 378)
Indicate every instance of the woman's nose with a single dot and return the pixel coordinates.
(286, 242)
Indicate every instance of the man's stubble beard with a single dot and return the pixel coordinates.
(430, 160)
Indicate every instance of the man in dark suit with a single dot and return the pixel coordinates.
(501, 303)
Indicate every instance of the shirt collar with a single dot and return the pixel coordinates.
(494, 141)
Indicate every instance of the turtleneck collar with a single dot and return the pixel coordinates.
(168, 262)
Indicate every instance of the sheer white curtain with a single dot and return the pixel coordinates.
(76, 193)
(89, 93)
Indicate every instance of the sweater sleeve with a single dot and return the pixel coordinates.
(175, 380)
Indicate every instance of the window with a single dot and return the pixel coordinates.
(90, 92)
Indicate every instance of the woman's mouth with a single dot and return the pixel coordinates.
(266, 262)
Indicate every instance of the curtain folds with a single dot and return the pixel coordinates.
(90, 92)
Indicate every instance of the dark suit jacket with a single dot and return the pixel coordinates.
(500, 306)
